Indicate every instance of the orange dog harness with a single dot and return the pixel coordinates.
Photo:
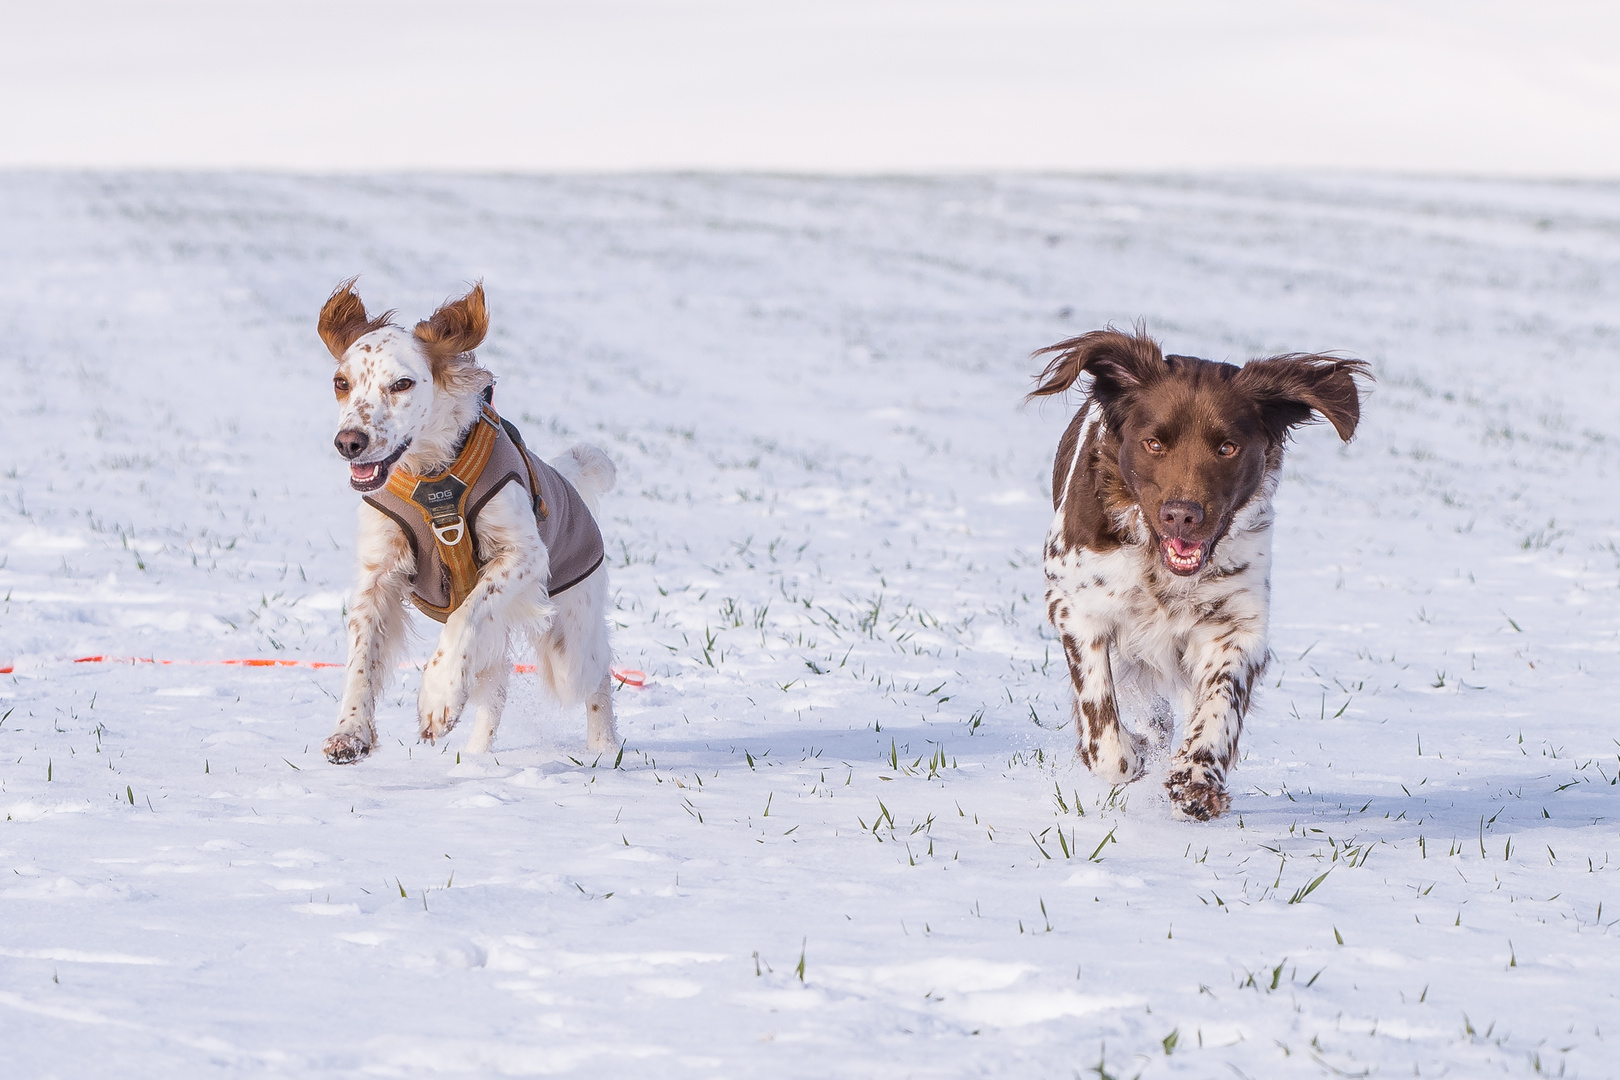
(439, 516)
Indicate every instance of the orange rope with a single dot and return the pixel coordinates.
(248, 662)
(624, 676)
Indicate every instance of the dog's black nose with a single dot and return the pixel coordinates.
(352, 443)
(1178, 515)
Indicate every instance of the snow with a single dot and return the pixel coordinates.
(846, 835)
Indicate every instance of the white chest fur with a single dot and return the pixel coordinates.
(1159, 626)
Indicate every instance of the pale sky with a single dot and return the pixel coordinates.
(1430, 86)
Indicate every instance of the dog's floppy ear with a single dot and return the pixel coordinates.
(1291, 387)
(457, 328)
(1117, 363)
(343, 319)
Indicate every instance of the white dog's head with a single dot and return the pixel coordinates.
(403, 393)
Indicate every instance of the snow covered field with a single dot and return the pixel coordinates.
(846, 836)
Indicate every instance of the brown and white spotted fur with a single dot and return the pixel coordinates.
(1158, 559)
(411, 397)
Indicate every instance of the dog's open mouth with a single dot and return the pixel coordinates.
(371, 475)
(1183, 557)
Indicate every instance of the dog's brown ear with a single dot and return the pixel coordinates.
(343, 319)
(1291, 387)
(1117, 363)
(457, 328)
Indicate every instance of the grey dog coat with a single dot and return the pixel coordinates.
(439, 516)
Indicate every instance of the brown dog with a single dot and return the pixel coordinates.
(1158, 559)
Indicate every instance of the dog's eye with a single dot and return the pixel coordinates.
(1153, 446)
(1227, 449)
(401, 386)
(340, 384)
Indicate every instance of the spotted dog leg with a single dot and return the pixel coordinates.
(1106, 748)
(474, 638)
(473, 641)
(488, 701)
(447, 677)
(1226, 663)
(376, 633)
(601, 733)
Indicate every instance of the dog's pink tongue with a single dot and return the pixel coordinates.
(363, 472)
(1182, 548)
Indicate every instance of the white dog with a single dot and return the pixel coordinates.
(481, 535)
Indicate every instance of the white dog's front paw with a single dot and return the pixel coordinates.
(440, 703)
(345, 748)
(601, 742)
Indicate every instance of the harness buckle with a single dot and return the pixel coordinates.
(441, 497)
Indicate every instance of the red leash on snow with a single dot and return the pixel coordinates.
(624, 676)
(200, 663)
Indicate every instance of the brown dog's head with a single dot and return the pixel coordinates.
(1195, 438)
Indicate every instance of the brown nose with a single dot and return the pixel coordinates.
(352, 443)
(1178, 516)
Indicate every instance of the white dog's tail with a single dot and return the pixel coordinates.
(590, 470)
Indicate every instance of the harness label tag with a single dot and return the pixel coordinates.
(441, 498)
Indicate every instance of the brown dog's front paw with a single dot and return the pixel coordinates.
(1196, 796)
(1115, 759)
(345, 749)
